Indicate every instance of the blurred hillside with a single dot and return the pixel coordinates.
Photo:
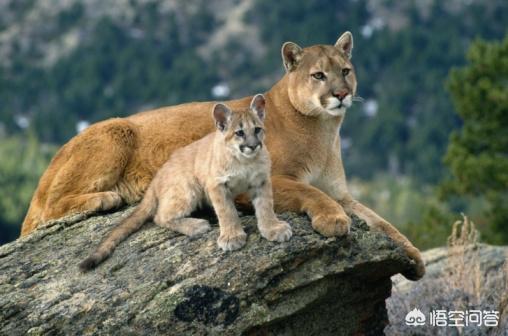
(67, 63)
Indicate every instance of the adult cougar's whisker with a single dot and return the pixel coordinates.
(358, 99)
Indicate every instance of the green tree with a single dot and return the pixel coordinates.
(478, 153)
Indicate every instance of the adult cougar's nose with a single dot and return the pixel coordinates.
(340, 94)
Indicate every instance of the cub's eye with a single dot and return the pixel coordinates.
(319, 75)
(257, 130)
(240, 133)
(345, 71)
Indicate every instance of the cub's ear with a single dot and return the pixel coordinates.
(258, 105)
(221, 114)
(345, 43)
(291, 55)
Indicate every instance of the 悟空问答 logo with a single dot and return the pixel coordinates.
(415, 318)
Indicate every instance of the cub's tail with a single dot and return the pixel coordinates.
(145, 210)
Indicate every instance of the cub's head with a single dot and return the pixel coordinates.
(243, 130)
(321, 78)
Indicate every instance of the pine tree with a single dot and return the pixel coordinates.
(478, 153)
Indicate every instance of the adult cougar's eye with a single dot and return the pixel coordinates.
(240, 133)
(257, 130)
(319, 75)
(345, 71)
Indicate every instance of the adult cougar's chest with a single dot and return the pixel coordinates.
(321, 164)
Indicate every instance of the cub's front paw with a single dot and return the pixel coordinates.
(232, 240)
(330, 225)
(279, 231)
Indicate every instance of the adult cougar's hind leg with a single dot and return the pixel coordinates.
(34, 215)
(96, 163)
(87, 203)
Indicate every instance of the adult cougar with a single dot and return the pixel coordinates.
(306, 109)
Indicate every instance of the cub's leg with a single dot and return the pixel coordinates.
(269, 225)
(378, 223)
(232, 236)
(189, 226)
(328, 217)
(174, 207)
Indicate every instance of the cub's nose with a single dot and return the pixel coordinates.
(251, 148)
(340, 94)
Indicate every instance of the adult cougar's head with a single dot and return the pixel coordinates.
(243, 130)
(321, 78)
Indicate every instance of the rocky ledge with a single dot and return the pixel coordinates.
(161, 283)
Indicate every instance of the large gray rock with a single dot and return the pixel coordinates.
(492, 261)
(475, 278)
(159, 282)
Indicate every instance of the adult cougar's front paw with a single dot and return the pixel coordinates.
(278, 231)
(330, 225)
(417, 269)
(232, 240)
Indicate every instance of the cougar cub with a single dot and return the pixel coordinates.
(230, 161)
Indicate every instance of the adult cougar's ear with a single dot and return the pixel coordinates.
(345, 43)
(258, 105)
(222, 115)
(291, 55)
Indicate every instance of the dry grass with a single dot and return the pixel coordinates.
(463, 271)
(472, 276)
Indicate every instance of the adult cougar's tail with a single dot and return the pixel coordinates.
(145, 210)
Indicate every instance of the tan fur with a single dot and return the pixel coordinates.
(302, 138)
(212, 170)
